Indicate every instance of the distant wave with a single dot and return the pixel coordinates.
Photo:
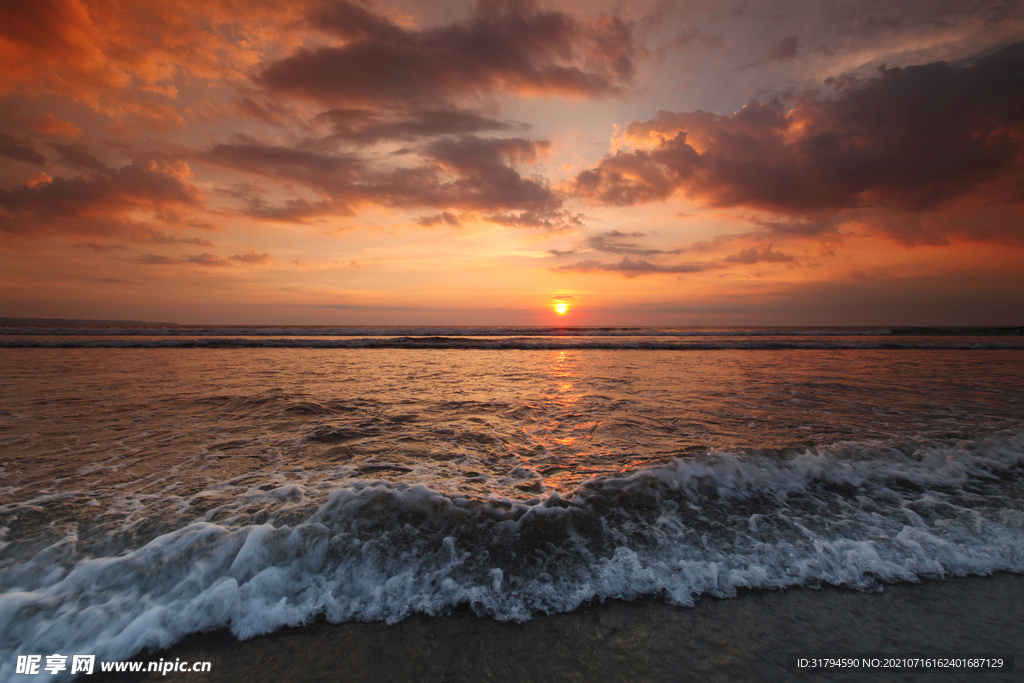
(435, 331)
(850, 514)
(751, 342)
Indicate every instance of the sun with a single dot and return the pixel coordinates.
(561, 308)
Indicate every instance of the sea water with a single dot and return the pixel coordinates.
(157, 482)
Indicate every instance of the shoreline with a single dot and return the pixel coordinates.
(745, 638)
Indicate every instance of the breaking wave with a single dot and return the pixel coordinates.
(854, 514)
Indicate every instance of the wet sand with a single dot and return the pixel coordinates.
(742, 639)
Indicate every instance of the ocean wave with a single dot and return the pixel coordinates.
(435, 331)
(853, 514)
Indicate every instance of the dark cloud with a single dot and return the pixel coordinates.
(19, 150)
(78, 155)
(366, 126)
(334, 174)
(299, 210)
(552, 221)
(313, 168)
(752, 255)
(203, 259)
(160, 237)
(99, 248)
(252, 258)
(910, 139)
(113, 280)
(101, 203)
(206, 259)
(504, 46)
(1001, 222)
(616, 242)
(151, 236)
(354, 22)
(786, 49)
(631, 268)
(446, 217)
(466, 172)
(156, 260)
(560, 253)
(143, 235)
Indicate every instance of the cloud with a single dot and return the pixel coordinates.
(752, 255)
(77, 155)
(51, 125)
(504, 46)
(466, 172)
(907, 140)
(783, 51)
(156, 260)
(267, 112)
(160, 237)
(251, 257)
(99, 248)
(631, 268)
(446, 217)
(104, 203)
(19, 150)
(615, 242)
(299, 210)
(368, 126)
(117, 57)
(204, 259)
(550, 221)
(207, 259)
(560, 253)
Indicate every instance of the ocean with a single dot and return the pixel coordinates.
(170, 484)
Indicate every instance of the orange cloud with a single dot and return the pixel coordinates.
(122, 57)
(103, 203)
(505, 46)
(51, 125)
(906, 141)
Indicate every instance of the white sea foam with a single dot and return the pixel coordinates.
(851, 514)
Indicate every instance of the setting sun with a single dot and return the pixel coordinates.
(561, 308)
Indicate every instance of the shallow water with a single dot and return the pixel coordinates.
(175, 490)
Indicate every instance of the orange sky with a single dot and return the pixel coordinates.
(336, 162)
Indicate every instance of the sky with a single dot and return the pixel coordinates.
(722, 162)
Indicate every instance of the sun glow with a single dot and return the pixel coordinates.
(561, 308)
